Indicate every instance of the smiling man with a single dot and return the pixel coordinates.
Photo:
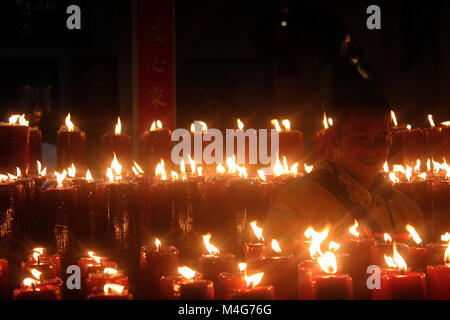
(350, 187)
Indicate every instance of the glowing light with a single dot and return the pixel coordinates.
(253, 280)
(118, 129)
(276, 246)
(257, 230)
(69, 124)
(211, 248)
(394, 118)
(414, 234)
(353, 228)
(287, 124)
(113, 288)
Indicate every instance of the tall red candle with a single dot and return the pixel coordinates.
(116, 143)
(71, 143)
(439, 282)
(14, 140)
(155, 145)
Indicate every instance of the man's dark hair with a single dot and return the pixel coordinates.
(362, 101)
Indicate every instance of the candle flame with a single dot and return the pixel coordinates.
(113, 288)
(446, 123)
(423, 176)
(118, 129)
(387, 237)
(69, 124)
(316, 240)
(60, 178)
(174, 175)
(22, 121)
(110, 271)
(156, 125)
(430, 119)
(211, 248)
(393, 177)
(398, 260)
(253, 280)
(220, 169)
(445, 237)
(186, 272)
(242, 266)
(71, 171)
(330, 121)
(287, 124)
(414, 234)
(93, 256)
(408, 173)
(325, 121)
(333, 246)
(328, 262)
(192, 163)
(36, 273)
(353, 230)
(158, 244)
(447, 254)
(276, 246)
(394, 118)
(417, 166)
(276, 124)
(160, 170)
(13, 119)
(240, 124)
(257, 230)
(408, 126)
(199, 171)
(29, 282)
(390, 262)
(386, 167)
(261, 175)
(308, 169)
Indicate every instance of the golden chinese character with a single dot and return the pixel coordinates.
(156, 95)
(155, 29)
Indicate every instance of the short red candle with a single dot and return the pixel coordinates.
(54, 259)
(256, 293)
(97, 280)
(71, 149)
(212, 265)
(380, 249)
(89, 265)
(14, 140)
(254, 250)
(4, 272)
(439, 282)
(40, 292)
(111, 295)
(228, 282)
(418, 258)
(332, 287)
(404, 286)
(200, 289)
(155, 263)
(280, 272)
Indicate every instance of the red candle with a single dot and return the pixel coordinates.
(155, 262)
(439, 139)
(71, 144)
(96, 281)
(290, 142)
(14, 139)
(255, 250)
(161, 208)
(214, 263)
(35, 291)
(200, 289)
(155, 145)
(440, 193)
(227, 282)
(92, 264)
(280, 272)
(332, 287)
(111, 292)
(252, 291)
(116, 143)
(435, 252)
(11, 211)
(418, 256)
(380, 249)
(408, 145)
(4, 272)
(40, 255)
(187, 285)
(322, 141)
(439, 282)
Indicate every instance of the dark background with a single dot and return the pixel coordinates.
(233, 60)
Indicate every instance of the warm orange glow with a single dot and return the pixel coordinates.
(422, 176)
(13, 119)
(399, 261)
(69, 124)
(113, 288)
(417, 166)
(174, 175)
(408, 127)
(446, 123)
(394, 119)
(253, 280)
(276, 246)
(387, 237)
(408, 173)
(199, 171)
(276, 124)
(192, 164)
(330, 121)
(393, 177)
(386, 167)
(328, 262)
(390, 262)
(116, 166)
(240, 124)
(22, 121)
(445, 237)
(243, 172)
(414, 234)
(257, 230)
(186, 272)
(110, 271)
(430, 119)
(158, 244)
(89, 176)
(118, 129)
(29, 282)
(353, 230)
(220, 169)
(316, 240)
(242, 266)
(428, 165)
(211, 248)
(333, 246)
(71, 171)
(325, 121)
(41, 172)
(447, 254)
(60, 178)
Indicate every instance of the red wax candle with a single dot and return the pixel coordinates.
(92, 264)
(435, 253)
(360, 258)
(170, 284)
(161, 209)
(47, 270)
(119, 144)
(71, 143)
(96, 281)
(418, 258)
(227, 282)
(256, 293)
(40, 292)
(439, 282)
(11, 211)
(280, 272)
(4, 272)
(211, 265)
(440, 193)
(404, 286)
(254, 250)
(54, 259)
(61, 207)
(439, 139)
(154, 146)
(156, 262)
(380, 249)
(199, 289)
(35, 149)
(322, 145)
(111, 292)
(332, 287)
(14, 140)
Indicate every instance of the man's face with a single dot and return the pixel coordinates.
(363, 144)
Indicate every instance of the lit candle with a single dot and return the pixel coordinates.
(71, 146)
(156, 261)
(40, 255)
(96, 280)
(117, 143)
(93, 263)
(418, 254)
(230, 281)
(439, 278)
(290, 142)
(111, 292)
(14, 139)
(255, 250)
(155, 145)
(252, 290)
(192, 287)
(322, 141)
(34, 291)
(214, 263)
